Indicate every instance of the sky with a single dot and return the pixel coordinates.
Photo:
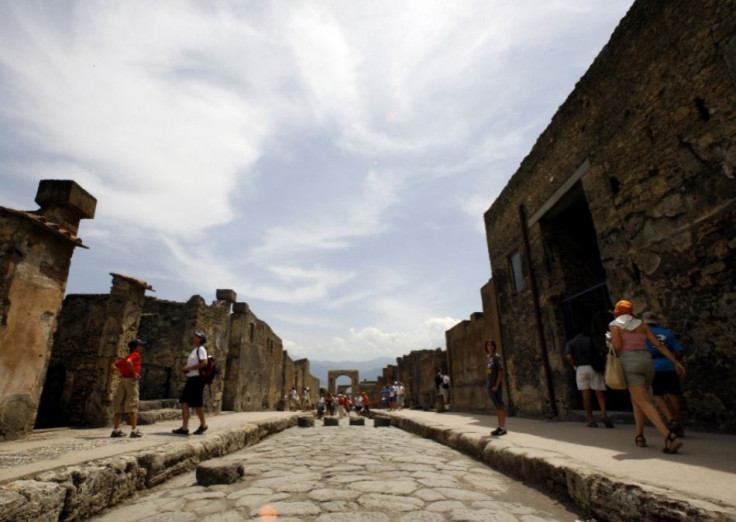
(330, 161)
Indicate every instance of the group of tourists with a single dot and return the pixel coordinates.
(298, 402)
(650, 356)
(127, 393)
(393, 397)
(328, 405)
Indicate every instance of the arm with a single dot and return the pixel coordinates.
(499, 380)
(664, 351)
(616, 340)
(570, 359)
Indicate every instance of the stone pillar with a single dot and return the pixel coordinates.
(35, 255)
(121, 322)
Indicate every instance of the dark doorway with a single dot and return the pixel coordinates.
(571, 246)
(50, 407)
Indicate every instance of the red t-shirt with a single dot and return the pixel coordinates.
(122, 365)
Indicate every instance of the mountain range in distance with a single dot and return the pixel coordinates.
(367, 370)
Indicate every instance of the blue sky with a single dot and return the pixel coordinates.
(330, 161)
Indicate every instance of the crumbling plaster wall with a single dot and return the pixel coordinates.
(652, 125)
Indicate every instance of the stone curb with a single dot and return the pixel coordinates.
(613, 498)
(79, 492)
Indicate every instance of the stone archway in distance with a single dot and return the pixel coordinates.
(332, 376)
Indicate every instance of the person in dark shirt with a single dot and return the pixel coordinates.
(581, 353)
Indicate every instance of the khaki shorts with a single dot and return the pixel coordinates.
(638, 368)
(126, 396)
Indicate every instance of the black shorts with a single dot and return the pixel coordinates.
(666, 383)
(193, 393)
(497, 396)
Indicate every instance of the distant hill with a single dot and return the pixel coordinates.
(367, 370)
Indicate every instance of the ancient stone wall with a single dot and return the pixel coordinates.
(93, 333)
(254, 364)
(417, 370)
(35, 255)
(467, 355)
(168, 327)
(629, 193)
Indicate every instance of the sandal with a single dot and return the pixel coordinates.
(640, 441)
(672, 443)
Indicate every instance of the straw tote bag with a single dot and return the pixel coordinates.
(614, 375)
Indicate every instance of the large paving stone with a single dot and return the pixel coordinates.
(219, 471)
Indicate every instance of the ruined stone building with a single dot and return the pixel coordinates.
(56, 353)
(35, 254)
(629, 194)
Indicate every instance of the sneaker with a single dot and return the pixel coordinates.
(201, 430)
(136, 434)
(607, 422)
(498, 432)
(117, 433)
(180, 431)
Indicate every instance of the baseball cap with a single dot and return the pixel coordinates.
(136, 342)
(650, 317)
(202, 336)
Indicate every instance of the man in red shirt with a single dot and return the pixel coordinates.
(126, 394)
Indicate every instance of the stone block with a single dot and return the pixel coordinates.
(219, 471)
(240, 308)
(357, 421)
(331, 421)
(66, 194)
(224, 294)
(381, 422)
(306, 422)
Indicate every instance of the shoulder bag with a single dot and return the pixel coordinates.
(614, 375)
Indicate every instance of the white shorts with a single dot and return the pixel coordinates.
(587, 378)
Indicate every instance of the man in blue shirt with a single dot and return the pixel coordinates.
(666, 384)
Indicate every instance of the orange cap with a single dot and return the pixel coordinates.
(623, 307)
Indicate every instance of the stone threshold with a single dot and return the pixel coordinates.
(609, 498)
(82, 491)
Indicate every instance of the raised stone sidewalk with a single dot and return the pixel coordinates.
(600, 469)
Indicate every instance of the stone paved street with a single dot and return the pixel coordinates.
(347, 473)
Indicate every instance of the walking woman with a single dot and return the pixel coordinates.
(629, 336)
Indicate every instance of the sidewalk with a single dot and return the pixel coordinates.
(702, 475)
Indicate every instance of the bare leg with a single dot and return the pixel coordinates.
(185, 416)
(639, 417)
(133, 420)
(601, 401)
(587, 405)
(674, 403)
(502, 417)
(116, 419)
(661, 402)
(640, 397)
(200, 414)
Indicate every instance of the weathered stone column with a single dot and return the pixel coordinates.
(120, 325)
(35, 255)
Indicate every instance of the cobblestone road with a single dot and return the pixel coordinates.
(343, 474)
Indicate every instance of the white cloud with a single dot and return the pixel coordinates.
(311, 156)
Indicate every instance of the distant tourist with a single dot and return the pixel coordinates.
(366, 410)
(445, 390)
(666, 386)
(193, 393)
(583, 355)
(629, 336)
(494, 385)
(127, 392)
(321, 406)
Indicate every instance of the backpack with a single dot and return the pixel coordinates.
(210, 371)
